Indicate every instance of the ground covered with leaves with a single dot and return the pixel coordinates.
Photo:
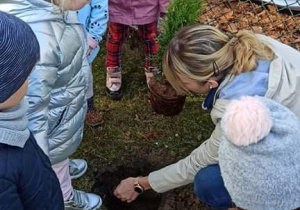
(134, 140)
(279, 22)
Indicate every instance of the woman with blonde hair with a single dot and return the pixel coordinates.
(203, 60)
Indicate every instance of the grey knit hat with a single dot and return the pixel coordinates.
(259, 155)
(19, 52)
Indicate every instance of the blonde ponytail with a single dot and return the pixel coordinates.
(247, 50)
(196, 49)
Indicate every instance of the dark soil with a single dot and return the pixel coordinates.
(108, 180)
(136, 165)
(164, 99)
(163, 89)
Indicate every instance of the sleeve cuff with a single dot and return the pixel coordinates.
(157, 183)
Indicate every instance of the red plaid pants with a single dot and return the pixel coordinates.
(116, 35)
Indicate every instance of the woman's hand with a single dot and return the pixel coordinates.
(125, 190)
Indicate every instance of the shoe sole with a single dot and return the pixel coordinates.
(94, 124)
(99, 205)
(79, 175)
(78, 208)
(115, 97)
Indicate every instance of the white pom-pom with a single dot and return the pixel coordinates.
(246, 121)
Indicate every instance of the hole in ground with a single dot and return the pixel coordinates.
(141, 162)
(107, 180)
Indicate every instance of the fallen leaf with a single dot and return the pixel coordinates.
(150, 135)
(199, 137)
(272, 8)
(296, 41)
(232, 28)
(232, 16)
(137, 118)
(257, 29)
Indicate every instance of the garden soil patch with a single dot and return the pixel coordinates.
(142, 163)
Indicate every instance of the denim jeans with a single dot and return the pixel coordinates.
(210, 189)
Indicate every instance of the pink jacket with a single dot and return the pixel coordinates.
(136, 12)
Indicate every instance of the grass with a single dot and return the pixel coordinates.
(131, 125)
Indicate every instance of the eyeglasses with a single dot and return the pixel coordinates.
(216, 69)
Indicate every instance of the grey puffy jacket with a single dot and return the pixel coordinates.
(57, 86)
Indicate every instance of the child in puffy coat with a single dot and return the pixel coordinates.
(57, 89)
(122, 14)
(94, 17)
(27, 180)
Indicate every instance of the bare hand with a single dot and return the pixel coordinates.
(89, 51)
(125, 190)
(71, 4)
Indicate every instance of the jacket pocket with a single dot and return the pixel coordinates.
(58, 122)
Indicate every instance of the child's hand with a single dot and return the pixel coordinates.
(89, 51)
(71, 4)
(92, 45)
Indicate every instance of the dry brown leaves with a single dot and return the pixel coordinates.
(232, 16)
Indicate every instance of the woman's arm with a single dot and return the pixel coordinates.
(177, 174)
(183, 172)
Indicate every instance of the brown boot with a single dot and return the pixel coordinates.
(93, 116)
